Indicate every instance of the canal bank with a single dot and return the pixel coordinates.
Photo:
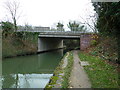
(19, 44)
(60, 78)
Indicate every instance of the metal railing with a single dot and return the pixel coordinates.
(50, 31)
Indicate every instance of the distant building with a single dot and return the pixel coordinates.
(42, 28)
(33, 29)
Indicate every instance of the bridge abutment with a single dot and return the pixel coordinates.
(46, 44)
(85, 41)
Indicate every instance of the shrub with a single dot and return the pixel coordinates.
(7, 28)
(93, 43)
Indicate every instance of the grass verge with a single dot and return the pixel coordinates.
(67, 71)
(56, 73)
(101, 74)
(60, 70)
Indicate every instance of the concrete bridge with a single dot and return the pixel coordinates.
(50, 40)
(53, 39)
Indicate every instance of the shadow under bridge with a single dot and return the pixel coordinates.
(54, 40)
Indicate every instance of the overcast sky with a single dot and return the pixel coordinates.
(49, 12)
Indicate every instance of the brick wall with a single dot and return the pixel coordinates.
(85, 41)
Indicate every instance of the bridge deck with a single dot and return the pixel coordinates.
(60, 36)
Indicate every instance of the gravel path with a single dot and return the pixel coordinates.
(78, 78)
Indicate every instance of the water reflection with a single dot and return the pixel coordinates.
(30, 71)
(26, 80)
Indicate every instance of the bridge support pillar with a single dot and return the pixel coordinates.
(46, 44)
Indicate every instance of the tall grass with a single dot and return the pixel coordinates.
(19, 43)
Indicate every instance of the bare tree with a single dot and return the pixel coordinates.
(93, 21)
(13, 8)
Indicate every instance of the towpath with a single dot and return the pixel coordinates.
(78, 78)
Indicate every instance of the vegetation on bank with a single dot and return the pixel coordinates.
(101, 74)
(19, 43)
(103, 69)
(56, 73)
(106, 49)
(63, 73)
(67, 71)
(108, 20)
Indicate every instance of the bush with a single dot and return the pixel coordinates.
(7, 28)
(19, 43)
(93, 43)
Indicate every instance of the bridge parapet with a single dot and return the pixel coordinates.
(51, 31)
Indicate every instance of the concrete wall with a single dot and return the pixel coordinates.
(45, 44)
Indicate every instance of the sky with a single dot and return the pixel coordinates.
(48, 13)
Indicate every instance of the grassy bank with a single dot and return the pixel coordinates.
(19, 43)
(67, 71)
(101, 74)
(61, 75)
(106, 49)
(56, 73)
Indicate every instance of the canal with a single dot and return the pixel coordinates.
(33, 71)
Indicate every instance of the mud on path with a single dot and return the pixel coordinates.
(78, 78)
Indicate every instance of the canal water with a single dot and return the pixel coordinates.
(33, 71)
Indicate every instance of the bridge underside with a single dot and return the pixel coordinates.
(46, 44)
(51, 42)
